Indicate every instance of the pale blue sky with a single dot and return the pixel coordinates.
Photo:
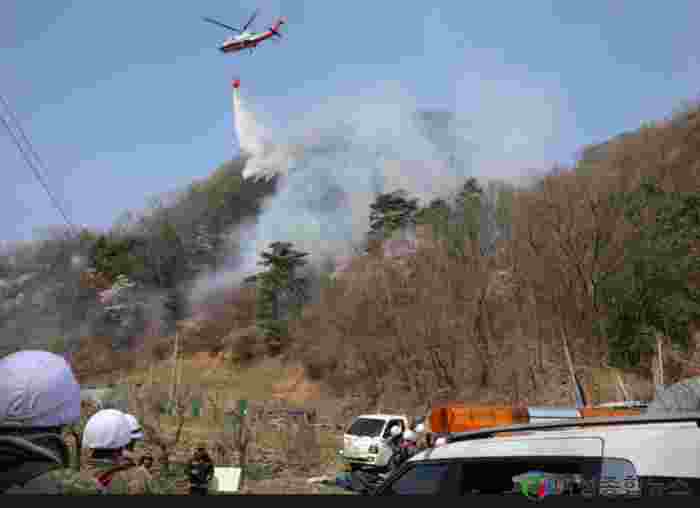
(128, 99)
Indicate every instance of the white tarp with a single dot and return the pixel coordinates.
(678, 398)
(226, 479)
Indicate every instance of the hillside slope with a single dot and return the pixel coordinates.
(45, 302)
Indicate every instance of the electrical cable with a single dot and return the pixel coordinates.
(25, 138)
(28, 160)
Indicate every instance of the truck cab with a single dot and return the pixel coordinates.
(366, 440)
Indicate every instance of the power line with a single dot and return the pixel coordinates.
(18, 128)
(37, 174)
(28, 159)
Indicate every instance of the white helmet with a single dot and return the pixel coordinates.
(107, 429)
(134, 427)
(409, 435)
(395, 430)
(38, 389)
(440, 441)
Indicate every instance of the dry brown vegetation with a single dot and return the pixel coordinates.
(496, 328)
(402, 334)
(97, 358)
(147, 403)
(73, 434)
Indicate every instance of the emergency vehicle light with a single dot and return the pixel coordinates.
(460, 418)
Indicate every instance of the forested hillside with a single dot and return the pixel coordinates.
(63, 288)
(478, 294)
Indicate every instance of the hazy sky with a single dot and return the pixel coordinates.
(124, 100)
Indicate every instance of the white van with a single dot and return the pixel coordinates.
(365, 440)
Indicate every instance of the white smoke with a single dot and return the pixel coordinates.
(330, 172)
(242, 242)
(336, 157)
(78, 262)
(265, 158)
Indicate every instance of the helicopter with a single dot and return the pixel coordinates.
(246, 39)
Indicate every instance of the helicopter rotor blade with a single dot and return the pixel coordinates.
(213, 21)
(250, 21)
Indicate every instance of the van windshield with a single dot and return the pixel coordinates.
(369, 427)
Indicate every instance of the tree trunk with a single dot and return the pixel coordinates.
(569, 362)
(621, 385)
(243, 461)
(660, 355)
(173, 382)
(540, 339)
(243, 441)
(483, 346)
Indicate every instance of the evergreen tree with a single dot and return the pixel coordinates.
(281, 293)
(390, 212)
(437, 215)
(201, 250)
(114, 256)
(473, 214)
(653, 293)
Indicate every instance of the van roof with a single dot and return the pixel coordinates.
(380, 416)
(657, 446)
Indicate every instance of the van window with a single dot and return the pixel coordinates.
(419, 479)
(546, 476)
(618, 477)
(366, 427)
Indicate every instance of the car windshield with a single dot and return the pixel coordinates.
(370, 427)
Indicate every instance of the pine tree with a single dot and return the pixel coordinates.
(653, 293)
(201, 249)
(390, 212)
(281, 293)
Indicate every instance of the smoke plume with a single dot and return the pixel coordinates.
(333, 160)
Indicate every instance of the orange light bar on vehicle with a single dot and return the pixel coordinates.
(456, 417)
(461, 418)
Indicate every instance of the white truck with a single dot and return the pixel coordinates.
(366, 440)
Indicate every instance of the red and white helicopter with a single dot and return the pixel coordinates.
(246, 39)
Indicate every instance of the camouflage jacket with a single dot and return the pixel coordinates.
(107, 477)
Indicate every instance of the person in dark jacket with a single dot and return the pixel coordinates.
(201, 471)
(409, 446)
(39, 396)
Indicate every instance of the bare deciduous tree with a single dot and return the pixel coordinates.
(238, 437)
(75, 431)
(149, 408)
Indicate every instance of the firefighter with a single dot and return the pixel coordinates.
(107, 434)
(409, 445)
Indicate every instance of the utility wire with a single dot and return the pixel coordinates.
(18, 128)
(28, 159)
